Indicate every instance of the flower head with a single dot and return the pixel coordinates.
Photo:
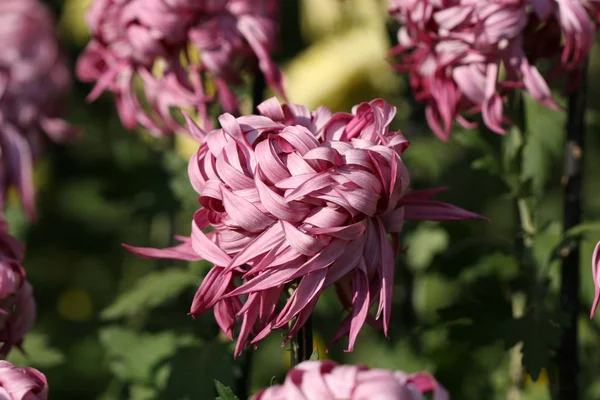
(33, 80)
(596, 278)
(326, 380)
(456, 51)
(172, 46)
(301, 201)
(17, 307)
(22, 383)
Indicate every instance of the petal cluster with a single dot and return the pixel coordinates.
(17, 306)
(186, 55)
(299, 201)
(464, 56)
(33, 80)
(326, 380)
(22, 383)
(596, 278)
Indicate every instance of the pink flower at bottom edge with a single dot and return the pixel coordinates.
(327, 380)
(22, 383)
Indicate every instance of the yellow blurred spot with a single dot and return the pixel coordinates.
(72, 21)
(318, 344)
(185, 146)
(41, 172)
(75, 305)
(541, 381)
(191, 56)
(331, 70)
(319, 18)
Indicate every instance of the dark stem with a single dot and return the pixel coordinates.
(258, 89)
(568, 359)
(304, 340)
(242, 376)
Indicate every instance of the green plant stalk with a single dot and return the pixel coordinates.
(567, 357)
(523, 245)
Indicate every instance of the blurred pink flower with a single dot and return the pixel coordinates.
(33, 80)
(301, 200)
(17, 307)
(158, 42)
(596, 278)
(22, 383)
(454, 51)
(326, 380)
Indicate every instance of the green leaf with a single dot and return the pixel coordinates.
(315, 355)
(570, 239)
(512, 144)
(543, 144)
(424, 243)
(225, 393)
(582, 229)
(481, 315)
(38, 353)
(135, 357)
(487, 163)
(540, 331)
(141, 392)
(149, 292)
(185, 382)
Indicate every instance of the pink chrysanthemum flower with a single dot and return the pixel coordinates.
(455, 51)
(326, 380)
(17, 307)
(33, 80)
(300, 201)
(22, 383)
(159, 41)
(596, 278)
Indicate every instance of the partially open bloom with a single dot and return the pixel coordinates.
(464, 56)
(326, 380)
(301, 201)
(596, 278)
(22, 383)
(33, 80)
(171, 47)
(17, 307)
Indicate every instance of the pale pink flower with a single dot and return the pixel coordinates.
(17, 307)
(158, 41)
(34, 78)
(22, 383)
(596, 278)
(454, 51)
(300, 201)
(326, 380)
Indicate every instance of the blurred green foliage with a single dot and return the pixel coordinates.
(114, 326)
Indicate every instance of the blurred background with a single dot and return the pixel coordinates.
(113, 326)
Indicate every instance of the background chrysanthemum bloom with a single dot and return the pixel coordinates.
(301, 200)
(17, 307)
(596, 278)
(326, 380)
(464, 56)
(22, 383)
(33, 81)
(172, 47)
